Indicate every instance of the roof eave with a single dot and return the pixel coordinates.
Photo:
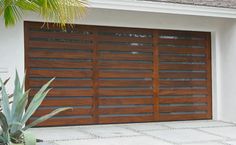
(161, 7)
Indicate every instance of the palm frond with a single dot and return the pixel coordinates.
(58, 11)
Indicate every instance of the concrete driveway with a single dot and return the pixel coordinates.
(165, 133)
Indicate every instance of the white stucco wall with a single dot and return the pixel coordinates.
(12, 45)
(228, 71)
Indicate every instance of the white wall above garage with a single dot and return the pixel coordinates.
(12, 40)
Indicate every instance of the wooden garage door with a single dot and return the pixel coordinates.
(119, 75)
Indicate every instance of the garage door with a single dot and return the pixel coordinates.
(119, 75)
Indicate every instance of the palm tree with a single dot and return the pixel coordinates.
(58, 11)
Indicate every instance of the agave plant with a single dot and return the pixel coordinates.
(13, 117)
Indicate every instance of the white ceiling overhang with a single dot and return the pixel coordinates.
(161, 7)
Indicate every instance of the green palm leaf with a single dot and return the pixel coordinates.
(58, 11)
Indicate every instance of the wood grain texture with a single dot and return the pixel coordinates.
(119, 75)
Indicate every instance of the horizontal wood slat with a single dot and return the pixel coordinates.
(65, 121)
(182, 100)
(125, 48)
(120, 65)
(182, 50)
(181, 42)
(74, 111)
(60, 74)
(183, 83)
(59, 64)
(182, 75)
(182, 67)
(61, 55)
(187, 34)
(125, 119)
(167, 58)
(66, 93)
(182, 108)
(62, 83)
(117, 56)
(183, 117)
(60, 45)
(125, 101)
(59, 35)
(124, 39)
(118, 74)
(67, 102)
(129, 92)
(124, 83)
(182, 91)
(130, 110)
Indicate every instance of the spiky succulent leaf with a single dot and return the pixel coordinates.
(5, 138)
(5, 102)
(17, 95)
(46, 117)
(19, 111)
(36, 102)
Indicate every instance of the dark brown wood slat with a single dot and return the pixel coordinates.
(125, 101)
(167, 109)
(182, 67)
(59, 35)
(113, 38)
(182, 50)
(67, 102)
(133, 110)
(54, 26)
(125, 119)
(65, 121)
(182, 100)
(59, 64)
(183, 83)
(129, 92)
(122, 57)
(117, 74)
(60, 45)
(188, 34)
(61, 55)
(125, 48)
(182, 42)
(125, 30)
(59, 74)
(178, 75)
(74, 111)
(125, 83)
(122, 65)
(182, 91)
(66, 92)
(167, 58)
(183, 117)
(62, 83)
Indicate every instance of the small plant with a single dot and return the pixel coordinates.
(13, 117)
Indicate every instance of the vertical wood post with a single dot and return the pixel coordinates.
(155, 75)
(95, 77)
(209, 75)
